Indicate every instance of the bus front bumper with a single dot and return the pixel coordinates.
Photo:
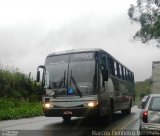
(73, 112)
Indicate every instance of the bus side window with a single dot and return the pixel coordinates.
(125, 73)
(115, 68)
(122, 69)
(103, 61)
(111, 65)
(118, 70)
(130, 79)
(128, 75)
(104, 68)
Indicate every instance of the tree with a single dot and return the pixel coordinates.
(147, 14)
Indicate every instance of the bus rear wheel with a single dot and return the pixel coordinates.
(66, 118)
(127, 111)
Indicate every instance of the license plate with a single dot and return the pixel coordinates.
(67, 112)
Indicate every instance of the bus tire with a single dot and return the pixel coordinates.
(123, 112)
(127, 111)
(130, 106)
(66, 118)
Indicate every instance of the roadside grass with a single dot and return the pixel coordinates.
(19, 94)
(11, 108)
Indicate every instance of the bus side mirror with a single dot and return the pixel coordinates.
(38, 76)
(38, 72)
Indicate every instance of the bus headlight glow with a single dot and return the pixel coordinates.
(92, 104)
(47, 105)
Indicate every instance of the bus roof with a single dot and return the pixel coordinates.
(75, 51)
(84, 50)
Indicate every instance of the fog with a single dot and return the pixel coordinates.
(25, 45)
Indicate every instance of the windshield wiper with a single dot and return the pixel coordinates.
(76, 86)
(64, 78)
(59, 84)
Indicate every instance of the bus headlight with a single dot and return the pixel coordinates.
(47, 105)
(92, 103)
(50, 92)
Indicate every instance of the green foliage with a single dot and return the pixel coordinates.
(147, 14)
(16, 84)
(142, 87)
(19, 95)
(14, 109)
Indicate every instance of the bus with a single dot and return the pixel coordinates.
(85, 83)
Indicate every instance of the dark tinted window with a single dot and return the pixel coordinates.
(154, 104)
(111, 65)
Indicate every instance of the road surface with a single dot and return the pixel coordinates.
(53, 126)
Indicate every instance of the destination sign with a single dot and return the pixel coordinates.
(73, 57)
(82, 56)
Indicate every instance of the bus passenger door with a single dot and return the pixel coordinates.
(103, 79)
(104, 97)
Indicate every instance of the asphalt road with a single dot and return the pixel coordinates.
(53, 126)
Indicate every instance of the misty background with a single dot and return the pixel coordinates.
(31, 29)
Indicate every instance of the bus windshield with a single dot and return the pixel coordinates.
(84, 75)
(71, 74)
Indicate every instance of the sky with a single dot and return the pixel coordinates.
(31, 29)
